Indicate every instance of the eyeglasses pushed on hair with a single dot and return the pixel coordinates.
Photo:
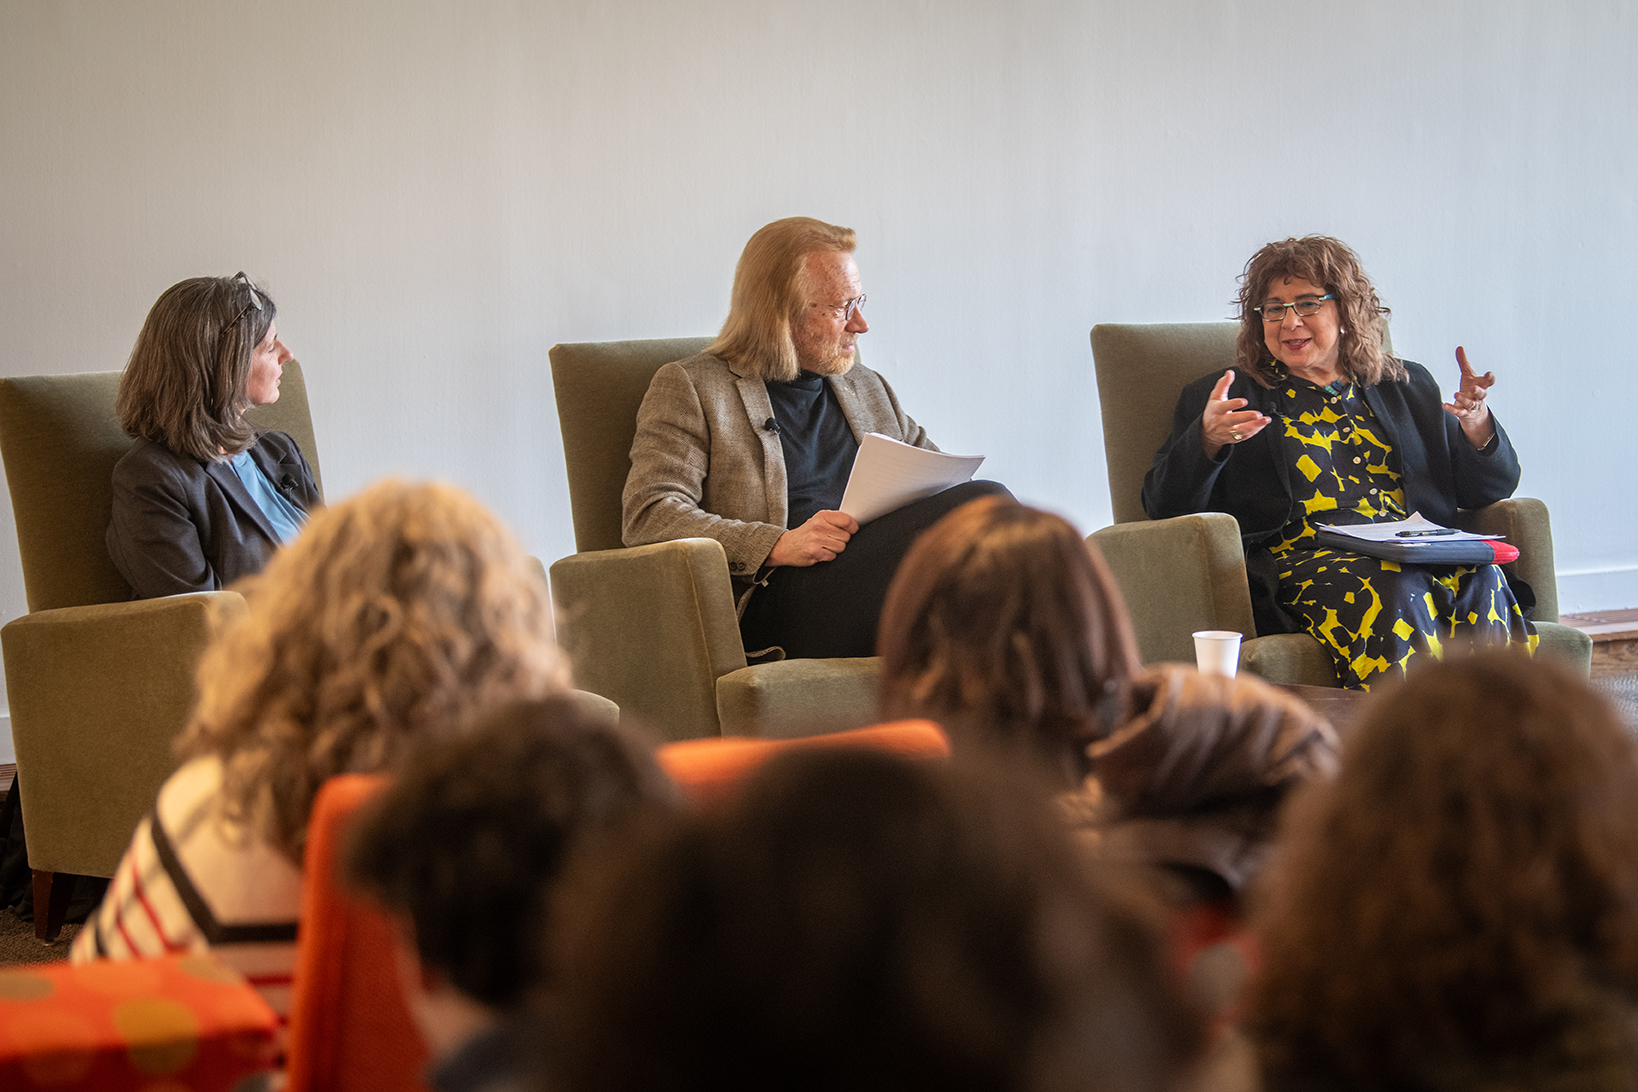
(846, 309)
(255, 300)
(1305, 308)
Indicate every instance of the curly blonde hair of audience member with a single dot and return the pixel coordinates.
(1004, 625)
(395, 617)
(770, 287)
(1463, 898)
(1327, 262)
(185, 385)
(852, 920)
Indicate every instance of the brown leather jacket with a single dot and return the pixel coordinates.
(1196, 778)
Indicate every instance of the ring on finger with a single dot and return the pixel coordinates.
(1234, 434)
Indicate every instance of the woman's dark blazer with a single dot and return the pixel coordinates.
(182, 525)
(1251, 481)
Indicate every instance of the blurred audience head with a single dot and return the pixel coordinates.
(856, 921)
(465, 845)
(1005, 626)
(394, 618)
(1459, 908)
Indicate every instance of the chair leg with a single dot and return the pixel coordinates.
(50, 903)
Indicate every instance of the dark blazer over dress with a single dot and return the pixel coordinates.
(183, 525)
(1251, 481)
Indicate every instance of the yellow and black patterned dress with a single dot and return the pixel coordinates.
(1371, 615)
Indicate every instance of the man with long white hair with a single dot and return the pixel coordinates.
(751, 442)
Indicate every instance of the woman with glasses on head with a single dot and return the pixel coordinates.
(1319, 424)
(203, 498)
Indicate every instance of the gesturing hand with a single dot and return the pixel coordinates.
(819, 539)
(1226, 420)
(1467, 405)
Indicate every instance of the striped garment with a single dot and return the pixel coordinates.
(193, 880)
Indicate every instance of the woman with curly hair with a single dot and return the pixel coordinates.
(1005, 627)
(1318, 423)
(1459, 908)
(395, 618)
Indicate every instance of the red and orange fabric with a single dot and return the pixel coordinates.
(176, 1022)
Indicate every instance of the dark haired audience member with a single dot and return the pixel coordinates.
(464, 849)
(1004, 626)
(1459, 908)
(854, 921)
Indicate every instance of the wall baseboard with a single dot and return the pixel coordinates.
(1597, 589)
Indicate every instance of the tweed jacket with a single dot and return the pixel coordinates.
(181, 525)
(704, 464)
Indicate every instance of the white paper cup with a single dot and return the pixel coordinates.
(1217, 652)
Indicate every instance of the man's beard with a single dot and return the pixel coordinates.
(836, 361)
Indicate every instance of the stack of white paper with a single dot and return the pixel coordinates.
(888, 474)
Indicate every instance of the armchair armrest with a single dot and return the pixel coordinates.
(651, 628)
(1523, 522)
(1178, 575)
(789, 698)
(98, 694)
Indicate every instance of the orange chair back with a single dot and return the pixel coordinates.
(349, 1026)
(709, 770)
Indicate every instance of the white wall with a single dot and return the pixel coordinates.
(436, 193)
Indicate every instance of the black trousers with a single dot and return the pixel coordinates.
(832, 608)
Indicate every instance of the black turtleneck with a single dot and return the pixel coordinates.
(819, 444)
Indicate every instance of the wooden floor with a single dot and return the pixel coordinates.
(1615, 640)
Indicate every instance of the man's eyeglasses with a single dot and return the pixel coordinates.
(1305, 308)
(255, 301)
(846, 309)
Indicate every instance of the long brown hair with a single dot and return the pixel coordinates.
(1464, 894)
(769, 290)
(1005, 626)
(1327, 262)
(185, 385)
(394, 617)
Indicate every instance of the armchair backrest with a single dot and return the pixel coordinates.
(709, 771)
(60, 439)
(349, 1025)
(1141, 370)
(599, 386)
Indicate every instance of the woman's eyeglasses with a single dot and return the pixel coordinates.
(1305, 308)
(255, 301)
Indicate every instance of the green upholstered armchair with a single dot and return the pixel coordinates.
(653, 627)
(1188, 573)
(99, 685)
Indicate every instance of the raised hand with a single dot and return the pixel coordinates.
(1467, 404)
(1226, 420)
(821, 538)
